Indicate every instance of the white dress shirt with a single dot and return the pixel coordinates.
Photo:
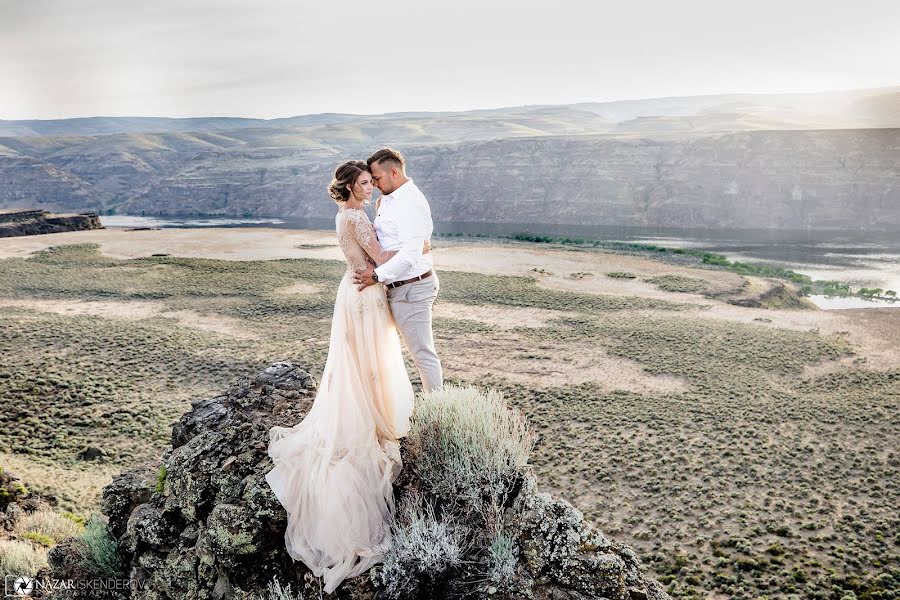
(403, 223)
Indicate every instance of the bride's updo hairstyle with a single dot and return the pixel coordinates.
(345, 177)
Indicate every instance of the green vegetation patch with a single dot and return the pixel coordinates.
(747, 496)
(679, 283)
(70, 382)
(448, 325)
(475, 288)
(246, 289)
(80, 271)
(724, 358)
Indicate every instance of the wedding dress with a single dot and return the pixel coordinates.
(334, 470)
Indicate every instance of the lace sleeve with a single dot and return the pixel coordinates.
(361, 229)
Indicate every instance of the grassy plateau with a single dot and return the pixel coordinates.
(764, 473)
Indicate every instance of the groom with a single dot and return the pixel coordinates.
(403, 223)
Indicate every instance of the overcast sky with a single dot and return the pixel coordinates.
(277, 58)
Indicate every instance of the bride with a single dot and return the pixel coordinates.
(334, 470)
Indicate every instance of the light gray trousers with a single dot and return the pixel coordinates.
(411, 306)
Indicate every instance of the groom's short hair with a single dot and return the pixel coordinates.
(387, 155)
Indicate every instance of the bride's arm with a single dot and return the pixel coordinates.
(362, 230)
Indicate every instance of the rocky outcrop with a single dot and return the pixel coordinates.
(778, 296)
(34, 222)
(16, 500)
(763, 292)
(202, 523)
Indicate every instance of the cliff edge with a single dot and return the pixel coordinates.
(34, 222)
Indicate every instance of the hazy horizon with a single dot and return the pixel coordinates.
(437, 111)
(286, 58)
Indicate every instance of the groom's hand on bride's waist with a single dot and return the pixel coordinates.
(363, 277)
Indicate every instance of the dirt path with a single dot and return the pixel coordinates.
(134, 310)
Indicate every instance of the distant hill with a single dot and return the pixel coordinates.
(852, 109)
(816, 161)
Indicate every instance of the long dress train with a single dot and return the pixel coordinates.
(334, 470)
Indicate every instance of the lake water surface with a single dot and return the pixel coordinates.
(860, 259)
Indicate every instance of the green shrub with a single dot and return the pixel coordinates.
(468, 449)
(21, 558)
(46, 527)
(39, 538)
(678, 283)
(468, 446)
(274, 591)
(99, 550)
(423, 549)
(715, 259)
(775, 549)
(77, 519)
(540, 239)
(502, 559)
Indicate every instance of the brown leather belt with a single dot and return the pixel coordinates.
(419, 278)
